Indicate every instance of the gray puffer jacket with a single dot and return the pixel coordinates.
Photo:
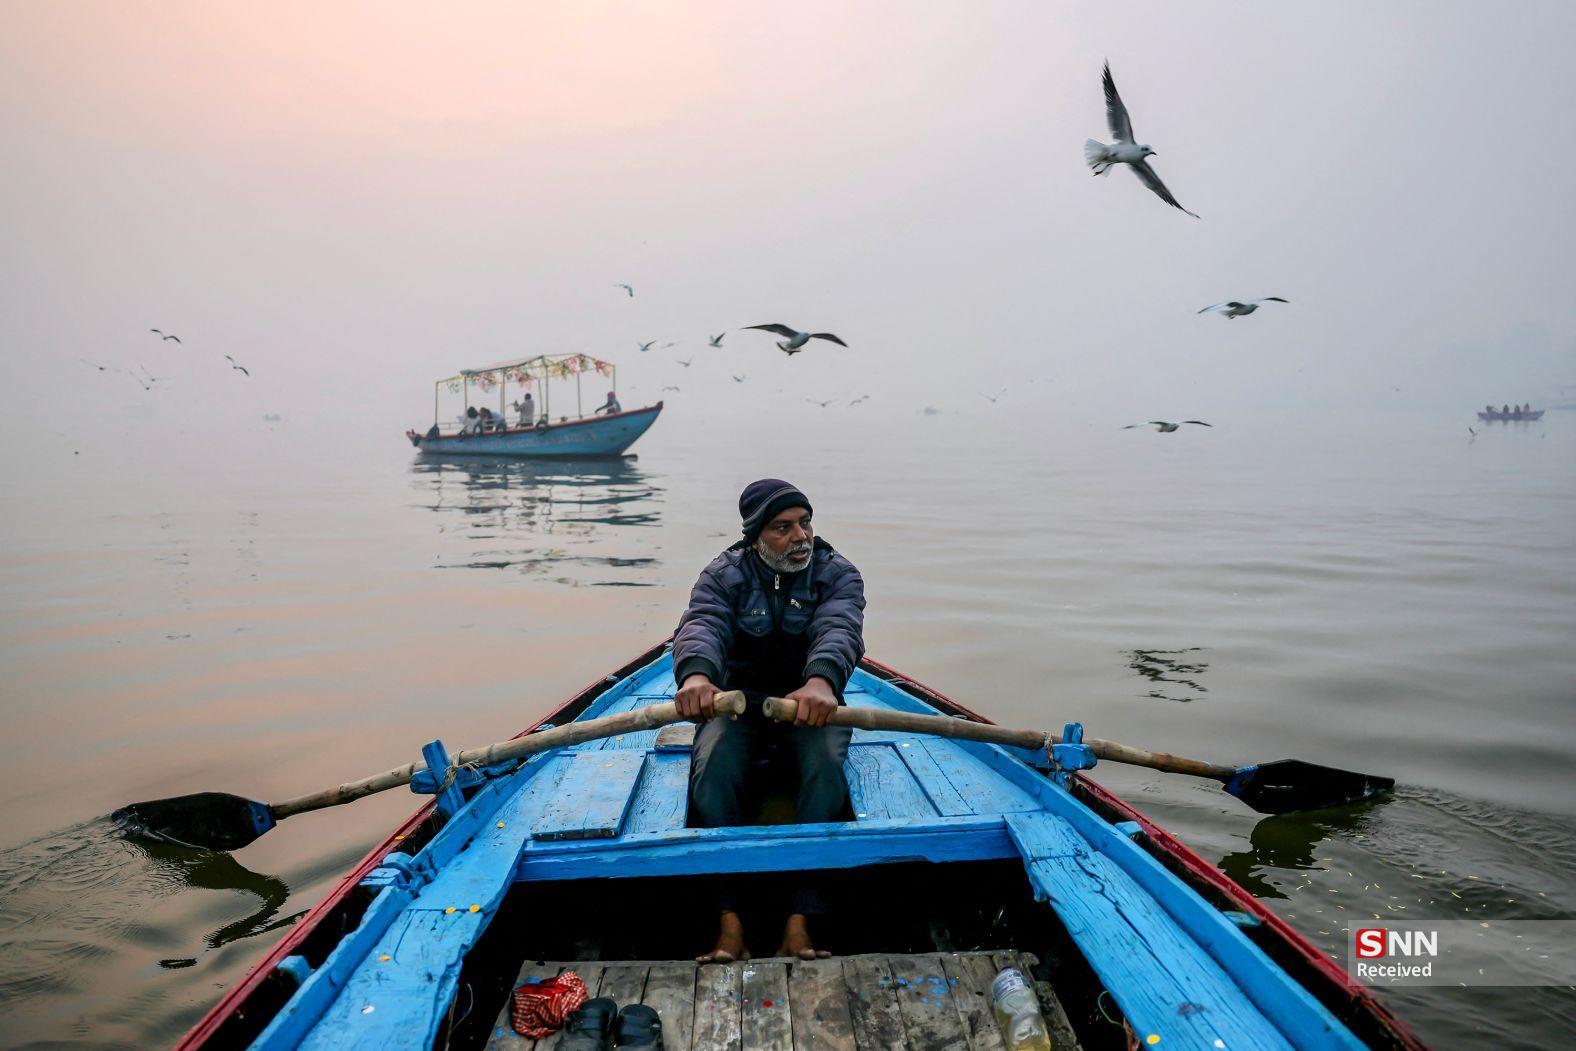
(749, 628)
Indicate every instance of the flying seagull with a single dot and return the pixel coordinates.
(1233, 308)
(1165, 428)
(822, 404)
(163, 336)
(716, 341)
(796, 340)
(862, 397)
(669, 388)
(628, 289)
(647, 346)
(685, 361)
(1102, 158)
(992, 397)
(738, 379)
(151, 377)
(101, 368)
(237, 365)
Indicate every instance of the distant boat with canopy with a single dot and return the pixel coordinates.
(536, 432)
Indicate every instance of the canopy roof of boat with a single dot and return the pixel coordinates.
(540, 367)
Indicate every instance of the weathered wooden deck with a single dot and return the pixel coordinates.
(930, 1002)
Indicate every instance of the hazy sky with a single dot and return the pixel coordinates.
(354, 200)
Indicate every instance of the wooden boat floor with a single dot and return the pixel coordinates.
(927, 1002)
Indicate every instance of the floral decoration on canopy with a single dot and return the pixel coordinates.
(529, 371)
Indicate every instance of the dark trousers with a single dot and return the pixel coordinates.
(724, 764)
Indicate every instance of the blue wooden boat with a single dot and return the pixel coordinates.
(579, 435)
(609, 435)
(960, 855)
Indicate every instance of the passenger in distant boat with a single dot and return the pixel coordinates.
(526, 407)
(611, 406)
(780, 613)
(489, 421)
(1525, 408)
(473, 422)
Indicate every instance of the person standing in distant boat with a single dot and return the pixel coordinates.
(526, 407)
(611, 406)
(473, 421)
(779, 613)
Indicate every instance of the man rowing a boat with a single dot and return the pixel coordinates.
(780, 613)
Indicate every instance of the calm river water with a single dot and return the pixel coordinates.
(268, 608)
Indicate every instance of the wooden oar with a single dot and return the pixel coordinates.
(220, 821)
(1281, 787)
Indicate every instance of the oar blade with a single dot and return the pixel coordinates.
(206, 820)
(1289, 785)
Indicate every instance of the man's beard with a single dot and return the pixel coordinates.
(782, 564)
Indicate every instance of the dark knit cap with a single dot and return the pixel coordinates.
(764, 500)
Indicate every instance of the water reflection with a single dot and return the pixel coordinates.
(569, 520)
(84, 902)
(212, 870)
(1285, 844)
(1174, 673)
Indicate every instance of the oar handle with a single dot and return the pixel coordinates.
(784, 709)
(1116, 752)
(647, 718)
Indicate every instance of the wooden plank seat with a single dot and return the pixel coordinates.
(930, 1001)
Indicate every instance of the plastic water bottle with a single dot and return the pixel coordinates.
(1017, 1012)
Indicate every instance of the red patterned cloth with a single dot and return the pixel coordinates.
(540, 1008)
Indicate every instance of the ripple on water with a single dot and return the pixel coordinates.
(1422, 854)
(85, 908)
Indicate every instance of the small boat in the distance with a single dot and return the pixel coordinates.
(581, 435)
(959, 858)
(1513, 414)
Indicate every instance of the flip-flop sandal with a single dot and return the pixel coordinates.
(639, 1026)
(589, 1027)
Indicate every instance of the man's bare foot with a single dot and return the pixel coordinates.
(730, 942)
(796, 941)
